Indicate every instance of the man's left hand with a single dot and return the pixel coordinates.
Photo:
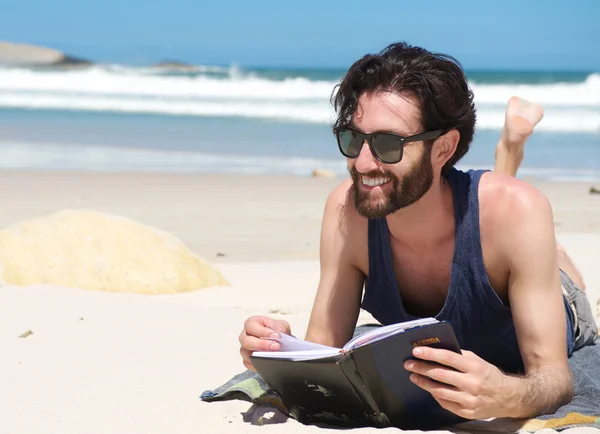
(464, 384)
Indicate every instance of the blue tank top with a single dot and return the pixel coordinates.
(482, 323)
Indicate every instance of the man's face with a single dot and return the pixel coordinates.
(381, 189)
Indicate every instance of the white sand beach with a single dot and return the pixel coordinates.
(97, 362)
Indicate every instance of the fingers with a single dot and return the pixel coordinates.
(438, 390)
(454, 399)
(246, 359)
(253, 343)
(250, 344)
(277, 324)
(258, 327)
(460, 362)
(261, 326)
(436, 372)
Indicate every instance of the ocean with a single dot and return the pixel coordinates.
(249, 120)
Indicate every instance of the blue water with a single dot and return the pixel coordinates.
(256, 121)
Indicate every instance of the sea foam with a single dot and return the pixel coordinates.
(216, 91)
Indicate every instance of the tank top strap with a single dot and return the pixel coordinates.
(465, 192)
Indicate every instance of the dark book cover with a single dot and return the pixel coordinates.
(366, 386)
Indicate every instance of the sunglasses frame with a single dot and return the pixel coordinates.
(429, 135)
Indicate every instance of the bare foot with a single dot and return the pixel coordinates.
(520, 119)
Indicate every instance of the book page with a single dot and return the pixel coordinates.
(291, 343)
(299, 355)
(385, 331)
(296, 349)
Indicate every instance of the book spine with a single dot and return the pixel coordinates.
(350, 370)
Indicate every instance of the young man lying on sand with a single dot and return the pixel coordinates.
(474, 248)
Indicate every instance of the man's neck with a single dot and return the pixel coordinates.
(427, 221)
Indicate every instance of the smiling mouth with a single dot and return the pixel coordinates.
(374, 182)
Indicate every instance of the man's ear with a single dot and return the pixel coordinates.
(444, 148)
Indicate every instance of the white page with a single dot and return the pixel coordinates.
(385, 331)
(296, 349)
(298, 355)
(290, 343)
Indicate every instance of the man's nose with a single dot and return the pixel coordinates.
(366, 162)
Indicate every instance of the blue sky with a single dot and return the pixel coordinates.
(507, 34)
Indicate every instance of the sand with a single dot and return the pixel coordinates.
(125, 363)
(245, 218)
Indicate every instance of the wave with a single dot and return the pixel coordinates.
(50, 156)
(218, 91)
(318, 112)
(141, 82)
(585, 93)
(574, 120)
(555, 119)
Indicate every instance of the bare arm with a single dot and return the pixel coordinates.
(518, 230)
(337, 302)
(535, 296)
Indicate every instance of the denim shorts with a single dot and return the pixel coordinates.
(585, 329)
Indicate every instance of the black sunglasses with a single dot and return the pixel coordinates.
(385, 147)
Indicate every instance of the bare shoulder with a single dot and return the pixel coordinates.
(504, 201)
(515, 220)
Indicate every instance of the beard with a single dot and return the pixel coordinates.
(404, 192)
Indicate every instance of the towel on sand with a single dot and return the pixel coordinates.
(582, 411)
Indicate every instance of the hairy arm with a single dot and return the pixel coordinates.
(337, 302)
(534, 290)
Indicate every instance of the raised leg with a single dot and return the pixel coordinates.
(520, 119)
(566, 264)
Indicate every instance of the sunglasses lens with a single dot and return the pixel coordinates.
(388, 148)
(350, 143)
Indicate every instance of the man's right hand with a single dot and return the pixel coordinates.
(255, 328)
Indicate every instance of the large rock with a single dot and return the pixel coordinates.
(32, 55)
(323, 173)
(93, 250)
(176, 66)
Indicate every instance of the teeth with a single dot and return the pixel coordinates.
(373, 182)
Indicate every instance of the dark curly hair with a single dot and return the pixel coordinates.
(437, 80)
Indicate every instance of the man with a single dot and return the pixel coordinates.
(423, 239)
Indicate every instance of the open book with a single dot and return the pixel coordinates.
(364, 383)
(297, 349)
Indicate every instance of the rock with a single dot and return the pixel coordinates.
(323, 173)
(594, 190)
(92, 250)
(175, 65)
(32, 55)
